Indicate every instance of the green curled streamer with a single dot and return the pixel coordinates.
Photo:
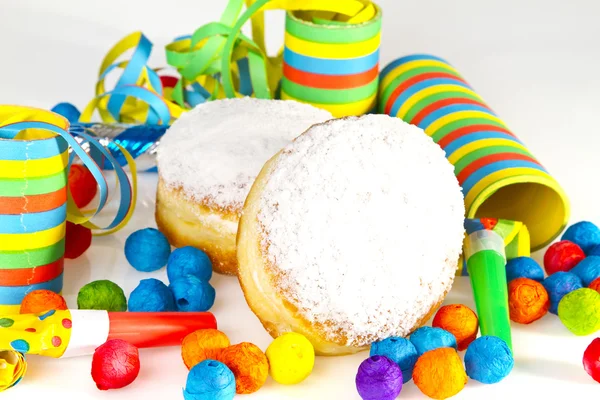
(258, 67)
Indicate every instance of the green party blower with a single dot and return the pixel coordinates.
(486, 264)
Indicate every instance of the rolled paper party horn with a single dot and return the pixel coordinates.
(332, 64)
(484, 251)
(514, 234)
(498, 174)
(71, 333)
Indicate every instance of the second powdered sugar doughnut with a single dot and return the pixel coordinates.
(207, 162)
(351, 234)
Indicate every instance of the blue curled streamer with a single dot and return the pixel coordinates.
(131, 74)
(123, 179)
(158, 114)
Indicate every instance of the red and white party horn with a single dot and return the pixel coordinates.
(72, 333)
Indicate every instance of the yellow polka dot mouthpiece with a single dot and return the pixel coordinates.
(46, 334)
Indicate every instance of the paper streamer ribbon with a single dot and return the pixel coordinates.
(498, 174)
(198, 60)
(12, 368)
(35, 201)
(138, 96)
(513, 233)
(141, 96)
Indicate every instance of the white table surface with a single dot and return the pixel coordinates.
(536, 64)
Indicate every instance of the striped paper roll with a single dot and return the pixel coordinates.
(332, 65)
(33, 211)
(499, 175)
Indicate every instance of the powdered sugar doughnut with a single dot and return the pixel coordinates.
(207, 162)
(351, 234)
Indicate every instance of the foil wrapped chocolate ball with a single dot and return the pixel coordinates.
(562, 256)
(210, 380)
(588, 270)
(528, 300)
(524, 267)
(151, 295)
(591, 360)
(427, 338)
(291, 358)
(115, 364)
(249, 365)
(488, 360)
(558, 285)
(579, 311)
(440, 374)
(202, 345)
(585, 234)
(379, 378)
(460, 321)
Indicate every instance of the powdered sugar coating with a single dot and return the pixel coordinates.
(215, 151)
(363, 226)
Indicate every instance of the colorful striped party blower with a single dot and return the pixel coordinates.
(499, 175)
(35, 203)
(332, 64)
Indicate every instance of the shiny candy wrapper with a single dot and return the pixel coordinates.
(141, 141)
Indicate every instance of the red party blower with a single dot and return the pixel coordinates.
(143, 329)
(71, 333)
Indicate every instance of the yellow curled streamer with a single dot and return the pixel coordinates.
(134, 110)
(12, 368)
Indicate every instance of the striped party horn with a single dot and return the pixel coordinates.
(499, 175)
(35, 203)
(332, 65)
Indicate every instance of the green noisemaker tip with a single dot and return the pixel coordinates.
(486, 264)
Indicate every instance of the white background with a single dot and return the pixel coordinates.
(535, 62)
